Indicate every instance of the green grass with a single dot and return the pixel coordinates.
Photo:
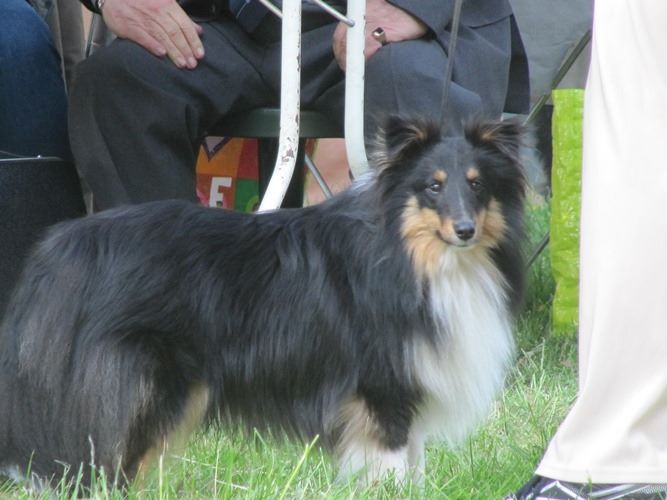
(496, 460)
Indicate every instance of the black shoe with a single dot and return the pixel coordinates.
(543, 488)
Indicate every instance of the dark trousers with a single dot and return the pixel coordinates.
(136, 121)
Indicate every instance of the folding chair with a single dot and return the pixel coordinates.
(264, 124)
(555, 36)
(540, 103)
(293, 124)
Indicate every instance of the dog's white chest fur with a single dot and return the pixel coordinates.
(464, 371)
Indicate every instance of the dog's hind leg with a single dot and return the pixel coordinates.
(371, 447)
(158, 397)
(173, 442)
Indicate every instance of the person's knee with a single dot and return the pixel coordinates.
(405, 76)
(94, 72)
(111, 73)
(408, 78)
(24, 35)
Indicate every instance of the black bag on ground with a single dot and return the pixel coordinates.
(34, 194)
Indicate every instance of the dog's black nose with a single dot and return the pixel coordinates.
(464, 230)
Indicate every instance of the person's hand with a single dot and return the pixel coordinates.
(397, 24)
(160, 26)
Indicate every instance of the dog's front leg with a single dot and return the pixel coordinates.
(372, 447)
(416, 458)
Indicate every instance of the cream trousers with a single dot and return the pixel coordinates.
(616, 432)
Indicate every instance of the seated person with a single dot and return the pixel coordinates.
(140, 107)
(33, 105)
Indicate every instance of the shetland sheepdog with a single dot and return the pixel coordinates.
(374, 320)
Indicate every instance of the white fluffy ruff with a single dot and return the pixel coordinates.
(462, 374)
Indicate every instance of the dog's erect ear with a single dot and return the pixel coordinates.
(505, 137)
(399, 137)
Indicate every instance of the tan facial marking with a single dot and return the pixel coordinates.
(419, 230)
(423, 233)
(447, 230)
(493, 225)
(440, 176)
(472, 174)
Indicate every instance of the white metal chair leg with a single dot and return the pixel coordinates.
(354, 88)
(290, 84)
(290, 92)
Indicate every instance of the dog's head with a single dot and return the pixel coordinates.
(460, 190)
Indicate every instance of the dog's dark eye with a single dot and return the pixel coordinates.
(476, 185)
(434, 187)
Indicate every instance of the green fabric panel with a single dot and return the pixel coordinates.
(565, 207)
(247, 197)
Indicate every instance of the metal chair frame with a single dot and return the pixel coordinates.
(290, 92)
(567, 63)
